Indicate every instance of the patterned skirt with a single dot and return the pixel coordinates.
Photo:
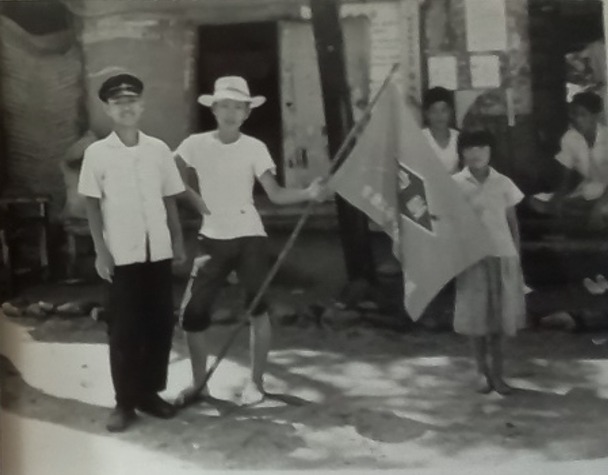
(490, 298)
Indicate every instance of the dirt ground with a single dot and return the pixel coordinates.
(364, 399)
(358, 397)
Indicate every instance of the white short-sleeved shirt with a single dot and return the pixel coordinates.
(226, 175)
(490, 200)
(131, 183)
(447, 155)
(590, 162)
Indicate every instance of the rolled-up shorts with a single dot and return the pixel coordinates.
(248, 256)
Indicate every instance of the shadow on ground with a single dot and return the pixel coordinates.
(359, 398)
(365, 399)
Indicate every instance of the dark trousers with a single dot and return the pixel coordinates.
(140, 329)
(247, 255)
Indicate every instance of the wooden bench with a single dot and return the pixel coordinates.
(22, 215)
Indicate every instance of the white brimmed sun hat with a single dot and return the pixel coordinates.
(231, 87)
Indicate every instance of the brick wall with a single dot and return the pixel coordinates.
(157, 48)
(41, 97)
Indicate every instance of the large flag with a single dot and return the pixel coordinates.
(394, 176)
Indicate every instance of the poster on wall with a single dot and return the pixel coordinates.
(486, 25)
(485, 71)
(443, 72)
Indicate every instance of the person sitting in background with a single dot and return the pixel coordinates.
(595, 52)
(438, 109)
(582, 191)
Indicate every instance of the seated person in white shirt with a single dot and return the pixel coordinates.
(438, 109)
(582, 191)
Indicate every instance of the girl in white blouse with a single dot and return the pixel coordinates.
(490, 301)
(438, 111)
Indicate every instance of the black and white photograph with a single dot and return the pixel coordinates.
(303, 236)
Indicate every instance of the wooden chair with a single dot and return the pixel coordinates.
(73, 216)
(21, 216)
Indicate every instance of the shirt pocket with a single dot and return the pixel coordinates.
(118, 179)
(150, 177)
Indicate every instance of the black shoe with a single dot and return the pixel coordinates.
(155, 406)
(120, 419)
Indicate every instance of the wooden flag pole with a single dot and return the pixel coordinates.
(338, 160)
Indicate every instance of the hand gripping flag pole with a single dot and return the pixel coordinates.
(341, 155)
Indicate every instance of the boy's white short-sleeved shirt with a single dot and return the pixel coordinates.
(590, 162)
(226, 175)
(490, 201)
(447, 155)
(131, 183)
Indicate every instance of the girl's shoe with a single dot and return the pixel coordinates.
(252, 394)
(483, 385)
(502, 388)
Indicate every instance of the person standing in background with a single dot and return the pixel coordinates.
(438, 110)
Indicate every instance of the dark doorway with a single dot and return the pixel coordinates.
(251, 51)
(558, 28)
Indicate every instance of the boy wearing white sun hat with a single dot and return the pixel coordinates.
(227, 163)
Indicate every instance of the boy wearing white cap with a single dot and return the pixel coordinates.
(228, 163)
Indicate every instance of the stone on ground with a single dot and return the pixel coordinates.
(559, 321)
(340, 319)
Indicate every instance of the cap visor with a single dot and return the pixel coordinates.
(120, 94)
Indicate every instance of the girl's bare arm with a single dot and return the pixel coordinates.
(514, 227)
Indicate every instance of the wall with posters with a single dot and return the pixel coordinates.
(480, 49)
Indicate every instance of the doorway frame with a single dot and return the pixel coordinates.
(400, 28)
(195, 82)
(605, 21)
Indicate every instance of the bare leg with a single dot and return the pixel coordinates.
(197, 345)
(480, 350)
(260, 338)
(496, 351)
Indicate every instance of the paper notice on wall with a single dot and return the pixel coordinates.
(485, 71)
(443, 72)
(486, 25)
